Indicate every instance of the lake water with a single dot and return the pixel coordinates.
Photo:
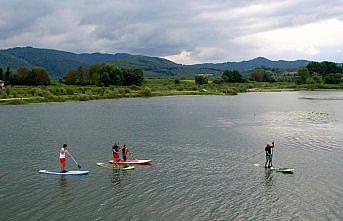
(204, 150)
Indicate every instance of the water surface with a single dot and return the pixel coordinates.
(204, 150)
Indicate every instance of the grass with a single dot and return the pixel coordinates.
(58, 92)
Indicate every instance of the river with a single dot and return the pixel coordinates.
(203, 149)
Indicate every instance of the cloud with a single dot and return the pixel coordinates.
(183, 31)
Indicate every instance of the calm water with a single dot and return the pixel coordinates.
(204, 150)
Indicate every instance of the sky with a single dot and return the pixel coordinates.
(186, 32)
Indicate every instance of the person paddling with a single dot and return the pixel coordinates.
(125, 151)
(63, 160)
(269, 155)
(115, 153)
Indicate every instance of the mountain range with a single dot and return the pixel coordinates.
(57, 62)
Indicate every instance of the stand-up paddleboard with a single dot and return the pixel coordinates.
(279, 170)
(118, 167)
(282, 170)
(74, 173)
(141, 162)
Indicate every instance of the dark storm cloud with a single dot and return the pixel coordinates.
(200, 30)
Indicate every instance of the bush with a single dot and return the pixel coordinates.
(201, 80)
(218, 81)
(146, 92)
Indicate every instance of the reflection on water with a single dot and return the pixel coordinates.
(63, 182)
(268, 177)
(116, 177)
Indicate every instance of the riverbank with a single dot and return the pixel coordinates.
(150, 88)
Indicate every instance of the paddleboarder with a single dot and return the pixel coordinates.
(125, 151)
(269, 155)
(63, 160)
(115, 153)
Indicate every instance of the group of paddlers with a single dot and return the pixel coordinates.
(115, 153)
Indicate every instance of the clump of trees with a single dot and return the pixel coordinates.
(262, 75)
(104, 75)
(199, 79)
(232, 76)
(25, 76)
(229, 76)
(320, 72)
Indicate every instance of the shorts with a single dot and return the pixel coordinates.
(116, 156)
(62, 160)
(270, 158)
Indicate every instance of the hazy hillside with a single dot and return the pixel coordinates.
(254, 63)
(57, 63)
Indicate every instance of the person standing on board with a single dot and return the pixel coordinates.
(63, 160)
(269, 155)
(115, 153)
(125, 151)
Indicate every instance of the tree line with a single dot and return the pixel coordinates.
(313, 73)
(25, 76)
(96, 74)
(321, 72)
(104, 75)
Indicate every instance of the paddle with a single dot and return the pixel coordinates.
(132, 156)
(78, 165)
(272, 152)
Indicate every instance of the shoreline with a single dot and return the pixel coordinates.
(77, 98)
(15, 95)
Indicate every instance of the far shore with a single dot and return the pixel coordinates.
(151, 88)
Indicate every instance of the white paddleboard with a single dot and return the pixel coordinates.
(71, 172)
(142, 162)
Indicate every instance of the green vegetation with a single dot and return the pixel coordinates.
(24, 76)
(108, 81)
(321, 72)
(104, 75)
(59, 92)
(201, 80)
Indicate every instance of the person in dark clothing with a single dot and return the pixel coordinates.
(125, 151)
(115, 153)
(269, 155)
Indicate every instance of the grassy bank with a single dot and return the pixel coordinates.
(150, 88)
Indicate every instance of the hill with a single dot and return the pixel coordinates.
(254, 63)
(57, 62)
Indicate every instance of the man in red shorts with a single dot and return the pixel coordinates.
(115, 153)
(63, 160)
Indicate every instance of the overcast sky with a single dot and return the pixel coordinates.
(190, 31)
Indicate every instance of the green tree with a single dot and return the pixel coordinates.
(132, 77)
(8, 74)
(258, 75)
(82, 76)
(1, 74)
(92, 73)
(333, 78)
(303, 75)
(72, 77)
(177, 81)
(42, 77)
(201, 80)
(232, 76)
(21, 76)
(323, 68)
